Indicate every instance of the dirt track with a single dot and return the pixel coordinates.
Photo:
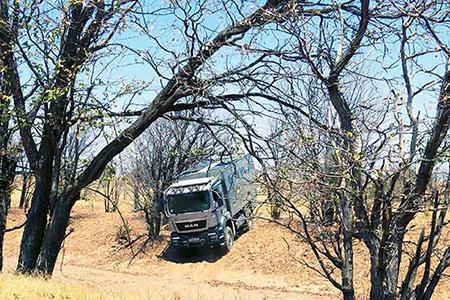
(179, 283)
(260, 265)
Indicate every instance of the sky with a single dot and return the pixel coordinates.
(166, 29)
(130, 70)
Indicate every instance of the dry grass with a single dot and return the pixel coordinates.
(22, 287)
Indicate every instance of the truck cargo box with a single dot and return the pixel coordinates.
(237, 177)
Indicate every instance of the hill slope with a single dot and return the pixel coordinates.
(264, 263)
(259, 266)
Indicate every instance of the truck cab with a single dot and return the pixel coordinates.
(208, 205)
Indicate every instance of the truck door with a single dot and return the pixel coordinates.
(218, 196)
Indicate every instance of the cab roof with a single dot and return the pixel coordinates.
(189, 182)
(190, 186)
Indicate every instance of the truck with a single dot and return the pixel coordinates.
(210, 203)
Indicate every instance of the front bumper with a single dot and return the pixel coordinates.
(211, 237)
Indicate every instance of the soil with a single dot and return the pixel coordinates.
(263, 264)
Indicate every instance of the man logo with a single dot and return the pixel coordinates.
(191, 225)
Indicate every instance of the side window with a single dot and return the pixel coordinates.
(217, 197)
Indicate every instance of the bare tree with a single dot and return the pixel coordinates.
(109, 183)
(161, 154)
(342, 144)
(85, 30)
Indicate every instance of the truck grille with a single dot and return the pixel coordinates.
(185, 226)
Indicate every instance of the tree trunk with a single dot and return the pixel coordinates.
(376, 287)
(390, 278)
(5, 200)
(23, 193)
(388, 266)
(55, 234)
(116, 194)
(349, 294)
(6, 182)
(136, 200)
(35, 226)
(55, 180)
(2, 237)
(347, 268)
(153, 219)
(40, 203)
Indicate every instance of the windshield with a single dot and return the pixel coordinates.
(189, 202)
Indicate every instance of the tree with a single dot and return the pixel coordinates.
(161, 154)
(52, 97)
(341, 143)
(78, 32)
(111, 186)
(26, 180)
(9, 151)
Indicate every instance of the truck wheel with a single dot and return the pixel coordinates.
(229, 240)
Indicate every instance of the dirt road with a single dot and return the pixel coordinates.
(181, 282)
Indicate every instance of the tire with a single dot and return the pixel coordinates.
(229, 240)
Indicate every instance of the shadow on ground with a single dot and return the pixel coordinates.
(194, 255)
(191, 255)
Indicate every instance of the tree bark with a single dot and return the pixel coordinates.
(35, 227)
(6, 182)
(37, 215)
(389, 265)
(55, 233)
(136, 200)
(376, 287)
(153, 212)
(347, 232)
(23, 193)
(5, 201)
